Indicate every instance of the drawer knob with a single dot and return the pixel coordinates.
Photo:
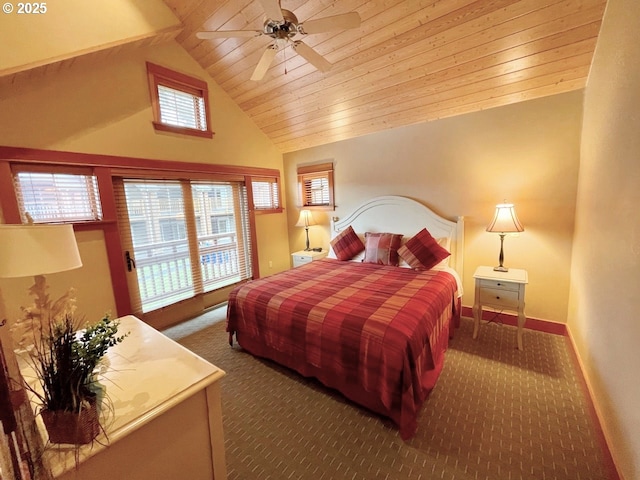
(499, 284)
(497, 298)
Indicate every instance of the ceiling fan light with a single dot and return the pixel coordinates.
(282, 26)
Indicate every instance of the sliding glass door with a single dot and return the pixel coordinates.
(221, 230)
(182, 238)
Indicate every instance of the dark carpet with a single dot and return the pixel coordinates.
(495, 413)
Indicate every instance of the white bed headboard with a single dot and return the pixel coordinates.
(395, 214)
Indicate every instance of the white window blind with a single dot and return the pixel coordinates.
(184, 238)
(316, 185)
(181, 109)
(48, 197)
(265, 193)
(179, 102)
(157, 234)
(316, 190)
(221, 233)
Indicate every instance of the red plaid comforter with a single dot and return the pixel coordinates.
(375, 333)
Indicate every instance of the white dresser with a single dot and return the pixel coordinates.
(166, 421)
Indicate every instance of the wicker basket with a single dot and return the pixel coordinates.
(76, 428)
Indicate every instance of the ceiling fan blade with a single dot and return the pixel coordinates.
(311, 56)
(272, 9)
(264, 63)
(228, 33)
(330, 24)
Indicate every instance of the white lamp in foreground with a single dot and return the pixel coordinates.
(27, 250)
(306, 220)
(505, 221)
(36, 250)
(30, 250)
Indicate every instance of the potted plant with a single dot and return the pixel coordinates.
(64, 352)
(64, 361)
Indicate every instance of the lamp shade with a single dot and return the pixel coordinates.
(505, 220)
(305, 219)
(29, 250)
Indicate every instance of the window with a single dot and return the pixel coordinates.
(223, 247)
(57, 196)
(185, 238)
(266, 194)
(180, 103)
(159, 242)
(316, 185)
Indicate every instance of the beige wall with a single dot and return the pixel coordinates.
(527, 154)
(605, 273)
(103, 107)
(68, 27)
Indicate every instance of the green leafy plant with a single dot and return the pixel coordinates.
(65, 360)
(62, 349)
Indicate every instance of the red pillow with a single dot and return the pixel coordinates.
(422, 251)
(347, 244)
(382, 248)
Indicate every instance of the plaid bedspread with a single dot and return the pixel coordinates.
(375, 333)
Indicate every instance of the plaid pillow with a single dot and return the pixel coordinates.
(422, 251)
(382, 248)
(347, 244)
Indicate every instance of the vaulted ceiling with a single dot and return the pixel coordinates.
(408, 62)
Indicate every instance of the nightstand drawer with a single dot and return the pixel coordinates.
(499, 297)
(301, 259)
(307, 256)
(499, 284)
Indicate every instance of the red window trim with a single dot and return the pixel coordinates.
(158, 75)
(105, 167)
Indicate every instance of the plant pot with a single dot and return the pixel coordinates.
(78, 428)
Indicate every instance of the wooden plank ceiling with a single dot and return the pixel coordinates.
(409, 61)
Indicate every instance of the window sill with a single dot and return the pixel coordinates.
(260, 211)
(183, 130)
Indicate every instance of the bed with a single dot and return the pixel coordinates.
(377, 333)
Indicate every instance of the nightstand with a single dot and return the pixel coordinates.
(302, 257)
(500, 291)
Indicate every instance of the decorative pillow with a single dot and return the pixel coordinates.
(347, 244)
(422, 251)
(382, 248)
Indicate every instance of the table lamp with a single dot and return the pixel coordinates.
(306, 220)
(27, 250)
(505, 221)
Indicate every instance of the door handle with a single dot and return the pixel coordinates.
(131, 263)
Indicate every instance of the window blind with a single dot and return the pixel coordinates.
(315, 189)
(157, 241)
(181, 109)
(49, 197)
(265, 193)
(185, 238)
(221, 233)
(316, 185)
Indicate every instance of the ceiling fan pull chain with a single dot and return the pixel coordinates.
(284, 53)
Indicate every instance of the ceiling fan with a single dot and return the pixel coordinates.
(283, 26)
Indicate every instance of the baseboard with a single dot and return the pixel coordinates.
(595, 411)
(557, 328)
(537, 324)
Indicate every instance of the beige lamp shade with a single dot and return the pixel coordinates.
(305, 219)
(505, 220)
(29, 250)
